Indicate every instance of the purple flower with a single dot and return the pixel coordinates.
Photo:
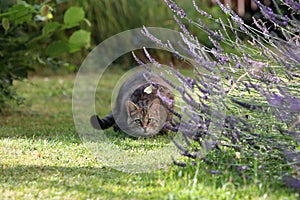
(225, 9)
(294, 6)
(286, 102)
(255, 70)
(215, 171)
(190, 101)
(269, 14)
(175, 8)
(211, 33)
(239, 22)
(191, 82)
(202, 12)
(294, 104)
(189, 155)
(182, 26)
(172, 128)
(216, 44)
(152, 37)
(180, 164)
(165, 99)
(291, 182)
(152, 60)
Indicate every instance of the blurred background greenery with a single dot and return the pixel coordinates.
(48, 37)
(110, 17)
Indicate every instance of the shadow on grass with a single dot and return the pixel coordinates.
(81, 180)
(49, 127)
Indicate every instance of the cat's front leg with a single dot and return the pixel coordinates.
(116, 128)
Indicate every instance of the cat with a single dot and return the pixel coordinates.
(142, 108)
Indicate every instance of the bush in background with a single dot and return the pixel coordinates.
(30, 35)
(242, 108)
(110, 17)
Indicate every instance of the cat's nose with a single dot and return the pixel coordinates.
(145, 129)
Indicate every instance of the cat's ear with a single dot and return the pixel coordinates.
(131, 108)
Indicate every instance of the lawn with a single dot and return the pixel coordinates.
(42, 157)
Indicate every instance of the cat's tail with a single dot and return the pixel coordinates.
(104, 123)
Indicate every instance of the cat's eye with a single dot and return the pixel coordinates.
(138, 121)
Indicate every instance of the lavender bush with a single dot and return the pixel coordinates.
(253, 75)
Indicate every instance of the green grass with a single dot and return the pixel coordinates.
(42, 157)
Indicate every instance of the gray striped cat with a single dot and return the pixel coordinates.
(142, 107)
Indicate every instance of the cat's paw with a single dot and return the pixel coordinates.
(164, 131)
(116, 128)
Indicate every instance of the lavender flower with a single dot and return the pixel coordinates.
(244, 167)
(175, 8)
(180, 164)
(202, 12)
(284, 102)
(191, 82)
(294, 6)
(291, 182)
(152, 37)
(225, 9)
(182, 26)
(269, 14)
(261, 76)
(166, 100)
(215, 171)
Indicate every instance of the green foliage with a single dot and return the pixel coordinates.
(79, 39)
(31, 34)
(73, 16)
(111, 17)
(57, 48)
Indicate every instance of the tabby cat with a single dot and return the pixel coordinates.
(142, 108)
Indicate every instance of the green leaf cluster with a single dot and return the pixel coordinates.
(32, 34)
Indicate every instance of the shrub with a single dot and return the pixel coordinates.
(243, 104)
(29, 36)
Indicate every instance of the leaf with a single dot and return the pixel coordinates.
(73, 16)
(20, 13)
(79, 39)
(57, 48)
(44, 10)
(148, 89)
(5, 24)
(50, 28)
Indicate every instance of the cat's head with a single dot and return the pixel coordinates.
(145, 119)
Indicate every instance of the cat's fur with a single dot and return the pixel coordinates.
(136, 111)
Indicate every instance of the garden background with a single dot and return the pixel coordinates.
(43, 44)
